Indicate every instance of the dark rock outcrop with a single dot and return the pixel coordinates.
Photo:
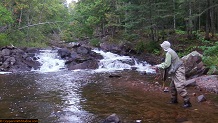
(13, 59)
(79, 57)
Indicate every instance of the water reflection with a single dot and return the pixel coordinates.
(89, 97)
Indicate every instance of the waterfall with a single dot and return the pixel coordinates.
(110, 62)
(113, 62)
(50, 61)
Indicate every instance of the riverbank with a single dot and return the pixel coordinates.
(148, 90)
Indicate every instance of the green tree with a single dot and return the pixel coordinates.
(35, 20)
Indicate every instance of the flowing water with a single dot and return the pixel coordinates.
(53, 94)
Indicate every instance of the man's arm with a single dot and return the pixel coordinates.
(166, 63)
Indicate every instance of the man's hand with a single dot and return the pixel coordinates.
(153, 67)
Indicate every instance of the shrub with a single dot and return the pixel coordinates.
(95, 42)
(152, 47)
(140, 46)
(4, 40)
(210, 56)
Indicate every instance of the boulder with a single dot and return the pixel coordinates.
(64, 52)
(207, 82)
(112, 119)
(13, 59)
(6, 52)
(79, 57)
(194, 65)
(109, 47)
(82, 50)
(90, 64)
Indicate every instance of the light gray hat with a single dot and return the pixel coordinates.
(165, 45)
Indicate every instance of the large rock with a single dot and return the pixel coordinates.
(194, 65)
(90, 64)
(109, 47)
(79, 57)
(64, 52)
(13, 59)
(206, 82)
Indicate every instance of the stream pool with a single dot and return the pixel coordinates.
(89, 97)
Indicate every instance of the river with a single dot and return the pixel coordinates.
(89, 96)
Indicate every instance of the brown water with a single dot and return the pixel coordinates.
(84, 97)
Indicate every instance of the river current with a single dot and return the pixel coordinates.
(89, 96)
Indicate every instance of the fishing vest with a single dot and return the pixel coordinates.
(176, 62)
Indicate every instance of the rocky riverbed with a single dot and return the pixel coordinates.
(79, 56)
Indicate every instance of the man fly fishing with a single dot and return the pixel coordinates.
(176, 70)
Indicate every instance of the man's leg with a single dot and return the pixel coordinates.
(173, 93)
(179, 79)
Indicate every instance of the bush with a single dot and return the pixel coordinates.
(152, 47)
(131, 37)
(212, 51)
(210, 56)
(95, 42)
(140, 47)
(4, 40)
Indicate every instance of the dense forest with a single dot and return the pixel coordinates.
(145, 23)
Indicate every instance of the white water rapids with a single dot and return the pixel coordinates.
(110, 62)
(50, 62)
(113, 62)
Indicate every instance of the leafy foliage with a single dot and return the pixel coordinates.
(4, 40)
(5, 16)
(95, 42)
(210, 56)
(33, 21)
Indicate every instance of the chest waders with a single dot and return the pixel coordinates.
(177, 73)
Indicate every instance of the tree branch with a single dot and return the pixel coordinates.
(207, 9)
(40, 24)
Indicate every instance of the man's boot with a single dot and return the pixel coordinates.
(187, 104)
(173, 101)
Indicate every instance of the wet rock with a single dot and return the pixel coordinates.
(30, 50)
(112, 119)
(109, 47)
(201, 98)
(73, 45)
(79, 57)
(8, 62)
(64, 52)
(114, 75)
(83, 50)
(6, 52)
(31, 63)
(95, 55)
(90, 64)
(134, 68)
(14, 59)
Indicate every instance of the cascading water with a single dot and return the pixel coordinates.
(50, 61)
(113, 62)
(110, 62)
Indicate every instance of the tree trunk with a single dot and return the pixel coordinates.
(207, 36)
(174, 14)
(189, 21)
(212, 19)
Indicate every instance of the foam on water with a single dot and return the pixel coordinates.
(50, 62)
(113, 62)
